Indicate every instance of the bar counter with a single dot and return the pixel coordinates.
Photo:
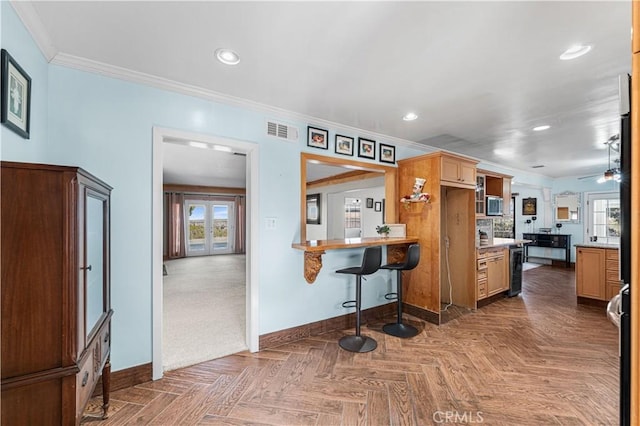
(314, 249)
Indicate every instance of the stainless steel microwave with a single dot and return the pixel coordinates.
(494, 206)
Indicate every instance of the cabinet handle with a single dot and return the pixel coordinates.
(106, 338)
(86, 268)
(85, 378)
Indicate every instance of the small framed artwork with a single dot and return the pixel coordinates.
(317, 138)
(369, 203)
(16, 96)
(344, 145)
(313, 209)
(529, 206)
(387, 153)
(366, 148)
(378, 207)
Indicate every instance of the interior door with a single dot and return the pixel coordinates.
(210, 227)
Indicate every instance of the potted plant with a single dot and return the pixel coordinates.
(383, 230)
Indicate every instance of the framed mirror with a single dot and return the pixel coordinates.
(319, 174)
(567, 206)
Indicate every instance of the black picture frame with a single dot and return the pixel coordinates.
(387, 153)
(369, 203)
(317, 138)
(313, 209)
(15, 96)
(366, 148)
(378, 206)
(344, 145)
(529, 206)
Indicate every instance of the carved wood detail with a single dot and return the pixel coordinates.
(312, 265)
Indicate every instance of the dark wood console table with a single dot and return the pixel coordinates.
(555, 241)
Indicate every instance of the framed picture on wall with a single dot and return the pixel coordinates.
(317, 138)
(369, 203)
(344, 145)
(313, 209)
(16, 96)
(529, 206)
(378, 207)
(366, 148)
(387, 153)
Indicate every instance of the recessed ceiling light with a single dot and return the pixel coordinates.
(222, 148)
(575, 51)
(541, 128)
(227, 56)
(410, 116)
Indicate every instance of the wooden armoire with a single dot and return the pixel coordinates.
(55, 283)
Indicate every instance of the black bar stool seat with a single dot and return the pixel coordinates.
(370, 264)
(399, 329)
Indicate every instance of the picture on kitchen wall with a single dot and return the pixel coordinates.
(387, 153)
(529, 206)
(344, 145)
(366, 148)
(313, 209)
(317, 138)
(369, 203)
(378, 207)
(16, 96)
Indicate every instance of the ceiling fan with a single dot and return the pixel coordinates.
(612, 173)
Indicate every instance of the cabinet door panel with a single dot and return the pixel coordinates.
(590, 273)
(496, 276)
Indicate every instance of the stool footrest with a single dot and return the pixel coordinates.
(391, 296)
(349, 304)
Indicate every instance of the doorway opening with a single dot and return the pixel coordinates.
(221, 237)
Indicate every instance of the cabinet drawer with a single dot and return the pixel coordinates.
(482, 264)
(612, 254)
(85, 381)
(612, 264)
(482, 289)
(481, 274)
(612, 288)
(612, 275)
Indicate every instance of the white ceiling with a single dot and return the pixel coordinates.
(480, 75)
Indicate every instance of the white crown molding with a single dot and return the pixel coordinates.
(88, 65)
(34, 25)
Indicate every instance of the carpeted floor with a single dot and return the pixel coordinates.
(204, 309)
(528, 265)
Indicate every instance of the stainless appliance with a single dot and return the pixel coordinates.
(619, 308)
(515, 271)
(494, 206)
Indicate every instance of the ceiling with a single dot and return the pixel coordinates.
(479, 75)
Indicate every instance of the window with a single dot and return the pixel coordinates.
(604, 217)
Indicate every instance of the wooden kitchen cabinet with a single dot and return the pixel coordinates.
(497, 185)
(457, 171)
(55, 283)
(590, 273)
(612, 273)
(492, 271)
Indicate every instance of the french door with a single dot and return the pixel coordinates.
(210, 227)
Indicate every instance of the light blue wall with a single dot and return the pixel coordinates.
(105, 126)
(20, 45)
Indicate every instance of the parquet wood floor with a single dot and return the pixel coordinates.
(536, 359)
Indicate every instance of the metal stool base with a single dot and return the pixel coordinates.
(400, 330)
(358, 343)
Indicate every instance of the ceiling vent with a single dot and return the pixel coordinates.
(282, 131)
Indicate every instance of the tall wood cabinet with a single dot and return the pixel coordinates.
(56, 308)
(446, 230)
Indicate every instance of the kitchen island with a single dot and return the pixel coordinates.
(597, 272)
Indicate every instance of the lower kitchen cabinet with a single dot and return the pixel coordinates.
(492, 271)
(597, 273)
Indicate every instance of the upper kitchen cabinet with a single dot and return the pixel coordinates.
(492, 184)
(457, 171)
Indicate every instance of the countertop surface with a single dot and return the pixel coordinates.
(502, 242)
(598, 245)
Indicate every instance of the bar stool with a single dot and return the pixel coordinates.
(399, 329)
(370, 264)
